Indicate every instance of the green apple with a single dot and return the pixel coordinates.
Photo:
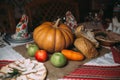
(31, 49)
(58, 59)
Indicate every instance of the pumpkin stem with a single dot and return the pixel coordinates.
(56, 23)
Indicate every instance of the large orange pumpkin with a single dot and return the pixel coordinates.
(52, 36)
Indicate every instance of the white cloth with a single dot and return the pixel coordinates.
(7, 53)
(106, 60)
(114, 26)
(18, 44)
(115, 21)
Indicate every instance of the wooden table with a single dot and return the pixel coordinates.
(54, 73)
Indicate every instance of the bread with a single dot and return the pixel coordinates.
(86, 47)
(86, 33)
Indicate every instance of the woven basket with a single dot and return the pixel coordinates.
(107, 42)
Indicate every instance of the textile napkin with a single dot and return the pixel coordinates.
(7, 53)
(101, 68)
(105, 60)
(95, 73)
(4, 62)
(21, 28)
(116, 54)
(71, 21)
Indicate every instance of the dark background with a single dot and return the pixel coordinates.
(85, 6)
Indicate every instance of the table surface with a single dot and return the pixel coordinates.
(54, 73)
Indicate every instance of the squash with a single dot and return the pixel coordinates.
(72, 55)
(53, 37)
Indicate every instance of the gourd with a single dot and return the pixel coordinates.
(72, 55)
(53, 37)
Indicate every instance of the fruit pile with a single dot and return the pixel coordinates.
(57, 59)
(56, 38)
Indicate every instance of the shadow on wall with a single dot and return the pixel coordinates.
(18, 6)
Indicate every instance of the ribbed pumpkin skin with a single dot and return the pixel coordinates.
(53, 38)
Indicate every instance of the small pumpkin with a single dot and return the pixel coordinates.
(52, 36)
(72, 55)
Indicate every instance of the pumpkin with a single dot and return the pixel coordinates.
(53, 36)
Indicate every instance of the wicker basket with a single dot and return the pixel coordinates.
(107, 42)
